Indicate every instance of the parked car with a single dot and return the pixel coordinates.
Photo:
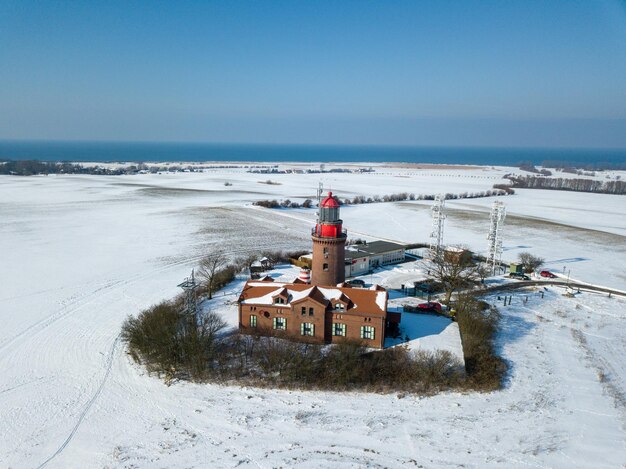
(519, 275)
(431, 306)
(547, 274)
(357, 282)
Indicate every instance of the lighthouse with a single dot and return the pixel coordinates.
(329, 243)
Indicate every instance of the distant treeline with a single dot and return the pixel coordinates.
(498, 190)
(615, 186)
(598, 166)
(528, 166)
(32, 167)
(275, 170)
(308, 203)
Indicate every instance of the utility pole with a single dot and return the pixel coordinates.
(494, 250)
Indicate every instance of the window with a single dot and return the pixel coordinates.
(307, 328)
(280, 324)
(252, 320)
(279, 300)
(339, 329)
(303, 310)
(339, 306)
(367, 332)
(325, 267)
(311, 311)
(325, 253)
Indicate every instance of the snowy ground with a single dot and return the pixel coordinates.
(80, 253)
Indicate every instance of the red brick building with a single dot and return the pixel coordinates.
(314, 313)
(326, 310)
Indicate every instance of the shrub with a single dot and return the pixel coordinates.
(477, 325)
(166, 340)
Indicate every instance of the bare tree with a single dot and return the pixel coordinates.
(453, 271)
(210, 267)
(482, 271)
(530, 261)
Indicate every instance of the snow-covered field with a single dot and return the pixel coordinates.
(80, 253)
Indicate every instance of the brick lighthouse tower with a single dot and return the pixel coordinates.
(329, 242)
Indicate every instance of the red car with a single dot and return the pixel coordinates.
(547, 274)
(431, 306)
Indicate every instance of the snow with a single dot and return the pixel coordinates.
(381, 299)
(330, 293)
(81, 253)
(429, 332)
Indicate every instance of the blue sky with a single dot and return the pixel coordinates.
(492, 73)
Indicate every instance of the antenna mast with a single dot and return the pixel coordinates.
(438, 216)
(320, 190)
(494, 250)
(189, 286)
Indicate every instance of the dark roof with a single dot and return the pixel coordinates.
(379, 247)
(355, 254)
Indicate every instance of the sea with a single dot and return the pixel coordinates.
(81, 151)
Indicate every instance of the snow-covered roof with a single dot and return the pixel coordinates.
(358, 300)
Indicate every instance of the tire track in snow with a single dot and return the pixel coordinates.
(94, 397)
(89, 298)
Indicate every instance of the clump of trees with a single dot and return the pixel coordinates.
(169, 342)
(530, 167)
(615, 186)
(504, 187)
(530, 262)
(308, 203)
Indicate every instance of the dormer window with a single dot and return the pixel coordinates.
(279, 300)
(339, 306)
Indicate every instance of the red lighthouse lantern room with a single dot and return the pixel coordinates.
(329, 225)
(329, 240)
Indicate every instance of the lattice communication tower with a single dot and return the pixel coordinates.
(438, 216)
(189, 286)
(494, 251)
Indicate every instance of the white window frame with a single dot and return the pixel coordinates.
(342, 329)
(282, 326)
(307, 329)
(253, 320)
(367, 331)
